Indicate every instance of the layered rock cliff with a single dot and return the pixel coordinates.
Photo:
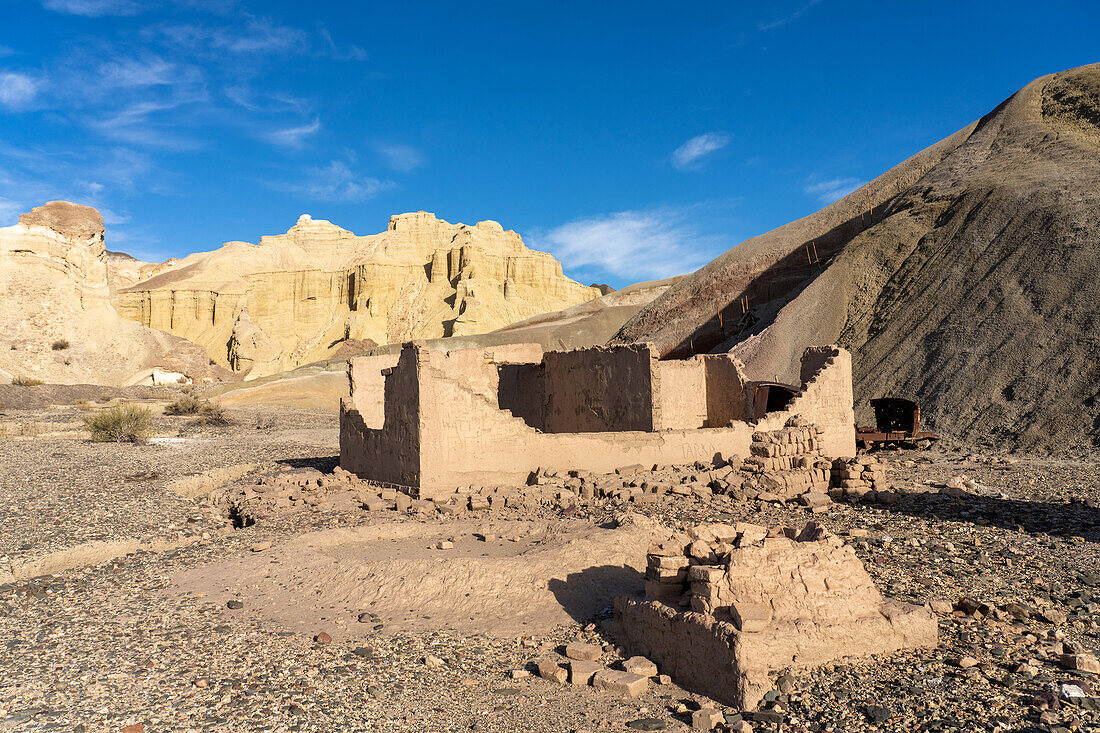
(298, 297)
(59, 323)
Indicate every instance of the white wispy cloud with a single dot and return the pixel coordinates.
(146, 71)
(95, 8)
(144, 123)
(338, 183)
(649, 244)
(795, 15)
(17, 91)
(293, 136)
(690, 155)
(254, 35)
(342, 53)
(403, 158)
(833, 190)
(262, 101)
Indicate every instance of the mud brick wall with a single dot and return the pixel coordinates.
(599, 390)
(826, 400)
(391, 451)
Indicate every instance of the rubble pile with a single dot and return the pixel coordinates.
(788, 462)
(861, 478)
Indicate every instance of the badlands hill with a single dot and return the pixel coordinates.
(59, 323)
(320, 291)
(965, 277)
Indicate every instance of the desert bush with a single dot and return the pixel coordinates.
(187, 405)
(213, 415)
(60, 345)
(265, 422)
(120, 424)
(26, 382)
(208, 413)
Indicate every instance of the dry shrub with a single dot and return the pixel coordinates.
(187, 405)
(120, 424)
(26, 382)
(208, 413)
(265, 422)
(60, 345)
(213, 415)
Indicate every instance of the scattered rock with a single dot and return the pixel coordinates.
(586, 652)
(706, 719)
(640, 666)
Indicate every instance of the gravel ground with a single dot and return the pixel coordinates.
(105, 647)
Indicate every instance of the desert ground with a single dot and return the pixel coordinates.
(137, 594)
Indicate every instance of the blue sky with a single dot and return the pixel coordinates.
(634, 140)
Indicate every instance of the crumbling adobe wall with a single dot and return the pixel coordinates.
(680, 395)
(391, 451)
(825, 400)
(598, 390)
(479, 369)
(367, 386)
(480, 417)
(725, 390)
(466, 440)
(728, 604)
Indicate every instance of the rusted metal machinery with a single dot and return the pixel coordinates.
(897, 422)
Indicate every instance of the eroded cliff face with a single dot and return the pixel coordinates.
(58, 322)
(317, 287)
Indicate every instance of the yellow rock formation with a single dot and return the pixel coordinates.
(295, 298)
(59, 323)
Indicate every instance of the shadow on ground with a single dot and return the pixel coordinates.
(1062, 519)
(591, 593)
(324, 464)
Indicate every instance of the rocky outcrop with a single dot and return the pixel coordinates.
(59, 323)
(317, 286)
(248, 344)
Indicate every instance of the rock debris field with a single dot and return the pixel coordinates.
(152, 588)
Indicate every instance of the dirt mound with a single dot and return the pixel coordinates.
(964, 278)
(501, 577)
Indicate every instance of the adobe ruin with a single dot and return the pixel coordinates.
(429, 421)
(730, 604)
